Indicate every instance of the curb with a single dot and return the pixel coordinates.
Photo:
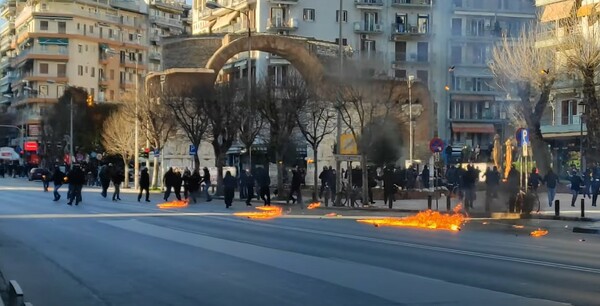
(586, 230)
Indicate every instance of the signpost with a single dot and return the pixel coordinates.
(156, 153)
(193, 150)
(522, 137)
(436, 145)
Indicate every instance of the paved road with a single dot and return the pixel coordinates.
(106, 253)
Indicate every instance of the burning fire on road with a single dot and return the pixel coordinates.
(314, 205)
(539, 233)
(426, 219)
(264, 213)
(173, 204)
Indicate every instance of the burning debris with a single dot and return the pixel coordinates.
(426, 219)
(173, 204)
(314, 205)
(539, 233)
(264, 213)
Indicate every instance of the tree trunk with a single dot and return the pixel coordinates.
(155, 173)
(280, 170)
(220, 162)
(316, 177)
(365, 177)
(592, 120)
(126, 181)
(196, 160)
(541, 153)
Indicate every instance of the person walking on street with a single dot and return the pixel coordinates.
(185, 179)
(229, 184)
(144, 184)
(551, 180)
(587, 183)
(168, 180)
(425, 177)
(194, 184)
(595, 183)
(106, 174)
(264, 182)
(576, 182)
(389, 186)
(243, 178)
(117, 179)
(534, 179)
(59, 178)
(46, 177)
(76, 179)
(249, 188)
(295, 188)
(207, 183)
(324, 177)
(177, 184)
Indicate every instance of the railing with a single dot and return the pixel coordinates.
(167, 21)
(412, 2)
(363, 27)
(36, 50)
(408, 29)
(369, 2)
(281, 23)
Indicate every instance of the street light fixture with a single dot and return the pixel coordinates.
(136, 156)
(215, 5)
(581, 117)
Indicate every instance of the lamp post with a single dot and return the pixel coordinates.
(338, 163)
(136, 155)
(215, 5)
(581, 118)
(410, 119)
(71, 139)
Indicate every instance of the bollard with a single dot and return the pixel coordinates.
(429, 202)
(556, 208)
(582, 208)
(448, 203)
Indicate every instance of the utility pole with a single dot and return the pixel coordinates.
(338, 168)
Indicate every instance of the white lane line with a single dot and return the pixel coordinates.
(426, 247)
(385, 283)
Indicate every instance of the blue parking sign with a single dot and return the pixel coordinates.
(193, 150)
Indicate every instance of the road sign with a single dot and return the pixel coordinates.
(349, 146)
(79, 157)
(522, 136)
(157, 153)
(436, 145)
(193, 150)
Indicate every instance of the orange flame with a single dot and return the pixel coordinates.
(539, 233)
(173, 204)
(265, 213)
(426, 219)
(314, 205)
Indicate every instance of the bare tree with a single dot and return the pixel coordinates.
(521, 67)
(251, 123)
(579, 51)
(223, 113)
(315, 121)
(118, 138)
(279, 105)
(362, 101)
(186, 103)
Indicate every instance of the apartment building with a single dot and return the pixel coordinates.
(563, 125)
(472, 109)
(165, 18)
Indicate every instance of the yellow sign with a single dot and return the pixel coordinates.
(349, 146)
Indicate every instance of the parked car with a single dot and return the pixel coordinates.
(36, 174)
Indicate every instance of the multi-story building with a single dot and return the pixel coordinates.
(166, 18)
(97, 45)
(563, 126)
(471, 108)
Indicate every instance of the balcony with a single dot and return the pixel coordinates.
(41, 53)
(282, 25)
(155, 56)
(173, 6)
(411, 3)
(402, 60)
(102, 81)
(402, 31)
(167, 22)
(155, 38)
(369, 4)
(367, 28)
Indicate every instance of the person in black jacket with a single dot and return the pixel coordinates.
(264, 182)
(46, 178)
(117, 179)
(59, 178)
(229, 183)
(295, 187)
(144, 184)
(194, 184)
(576, 182)
(106, 174)
(389, 186)
(249, 187)
(76, 179)
(185, 178)
(551, 180)
(207, 182)
(168, 180)
(177, 184)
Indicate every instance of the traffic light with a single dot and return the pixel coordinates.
(90, 101)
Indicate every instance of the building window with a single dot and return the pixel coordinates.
(93, 74)
(78, 27)
(79, 48)
(112, 95)
(423, 75)
(139, 58)
(400, 74)
(79, 70)
(309, 14)
(91, 29)
(62, 27)
(423, 23)
(86, 48)
(456, 26)
(43, 68)
(61, 70)
(112, 74)
(111, 33)
(456, 54)
(130, 37)
(344, 41)
(44, 25)
(43, 90)
(344, 16)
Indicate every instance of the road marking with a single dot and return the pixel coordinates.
(426, 247)
(109, 215)
(369, 279)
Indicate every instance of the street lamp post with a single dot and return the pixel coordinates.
(215, 5)
(410, 119)
(581, 118)
(136, 156)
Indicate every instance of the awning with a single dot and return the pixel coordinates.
(53, 41)
(587, 10)
(480, 128)
(472, 98)
(556, 11)
(473, 72)
(225, 20)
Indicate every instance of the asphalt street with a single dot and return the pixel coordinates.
(130, 253)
